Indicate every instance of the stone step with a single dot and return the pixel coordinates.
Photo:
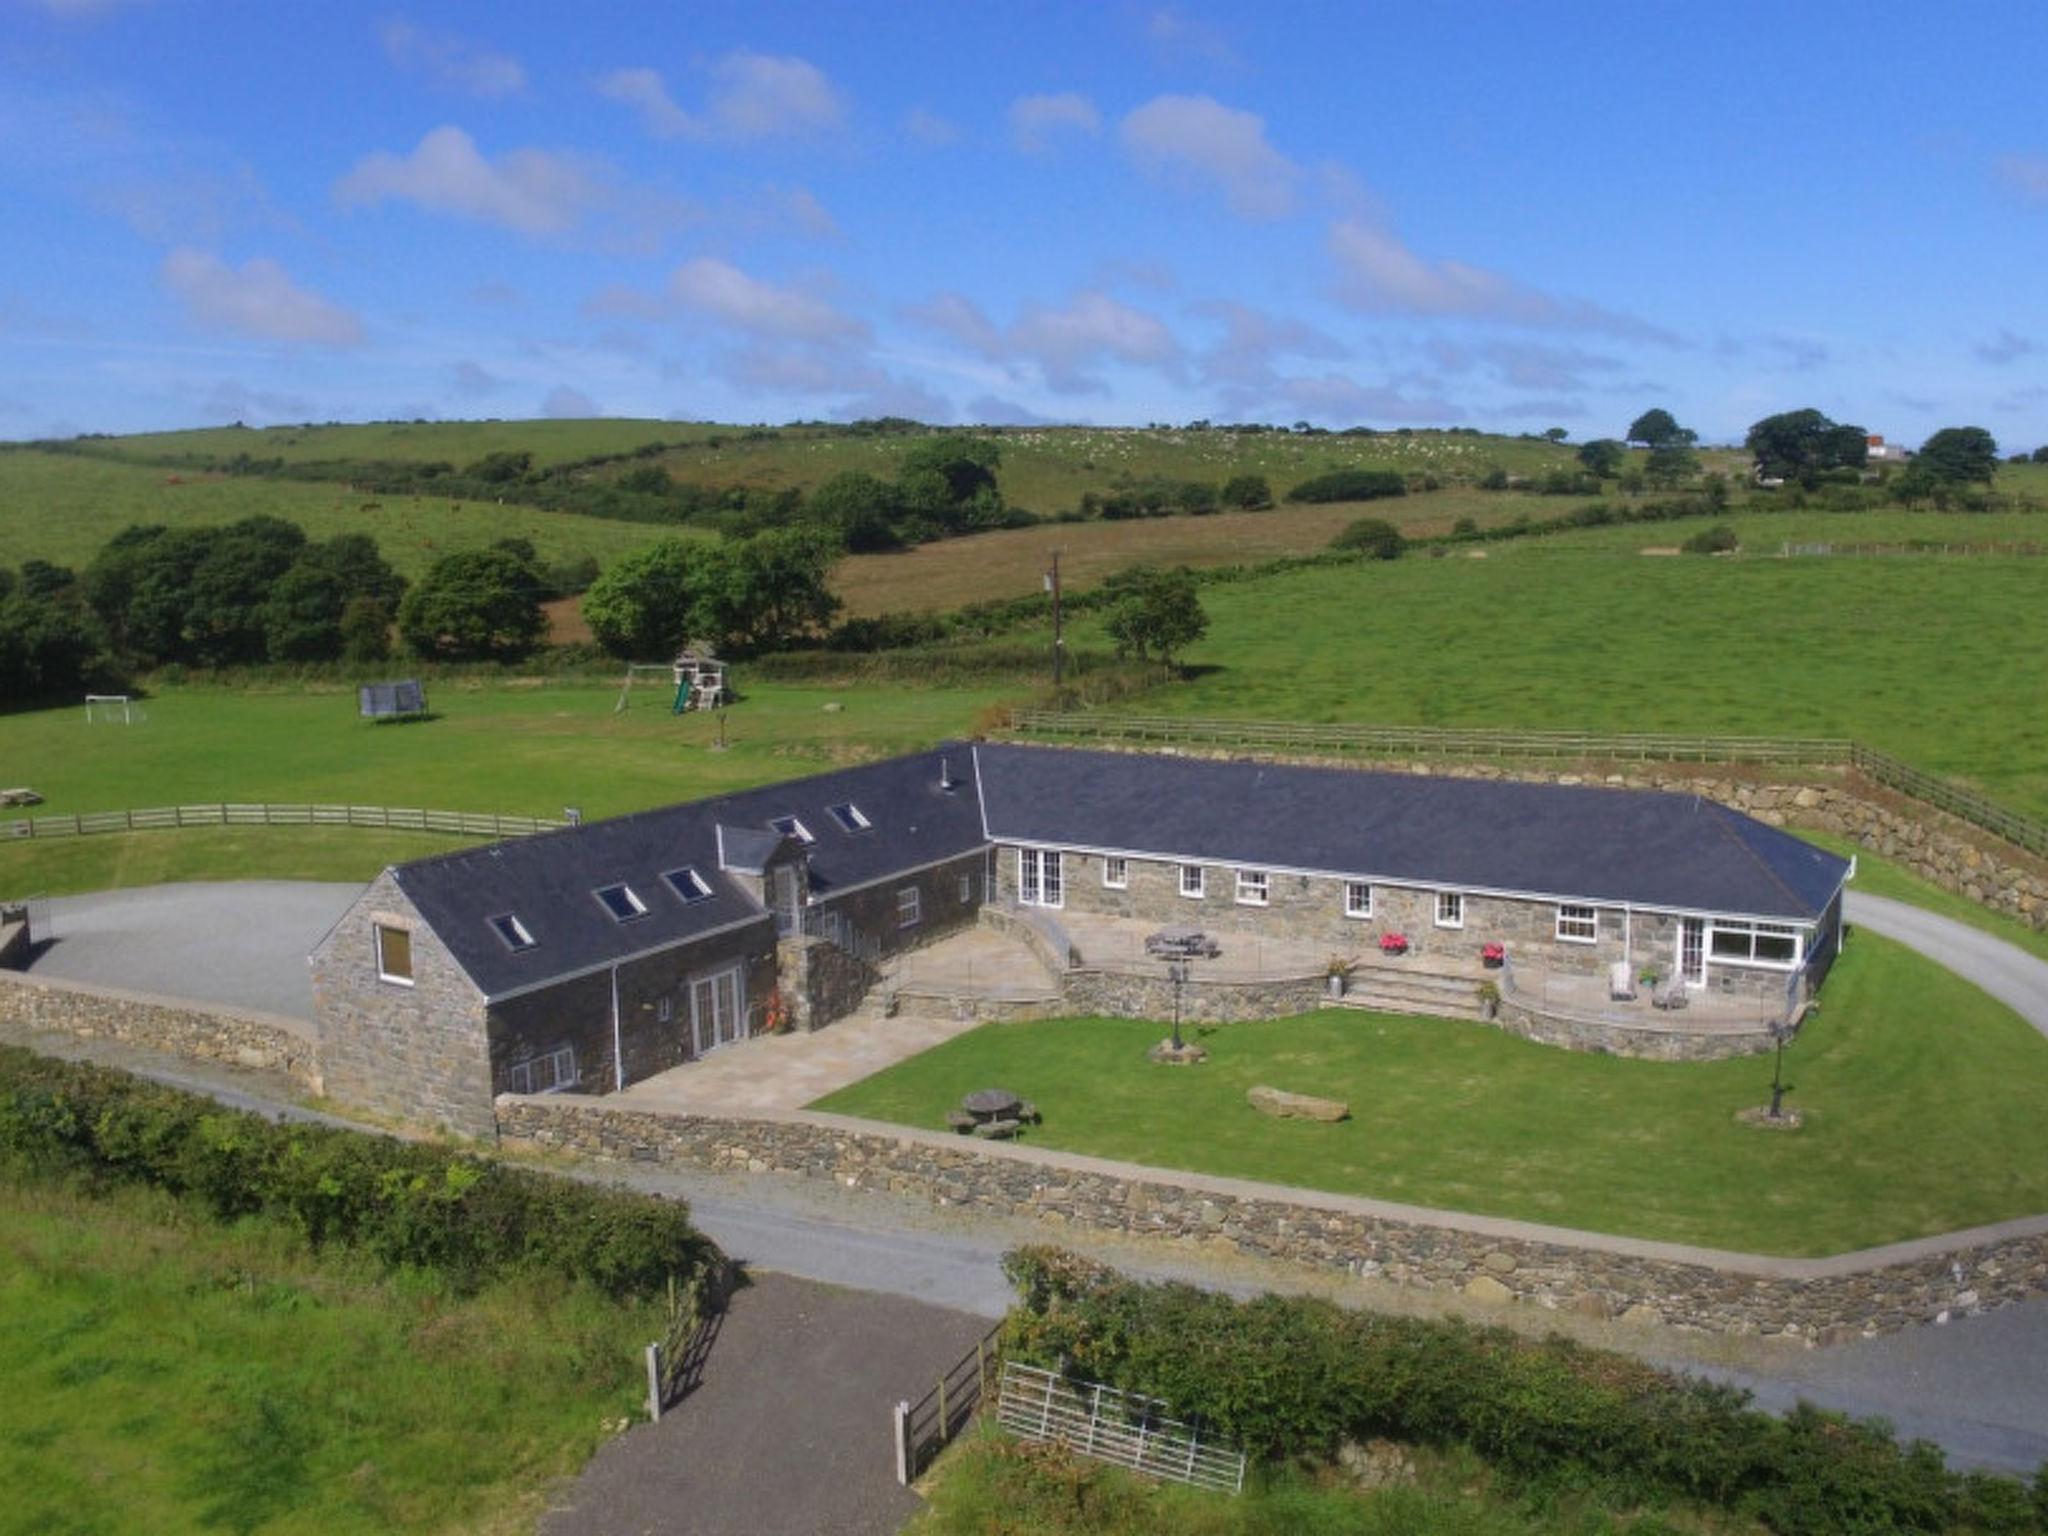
(1449, 983)
(1455, 997)
(1436, 1007)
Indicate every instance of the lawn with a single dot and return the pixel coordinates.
(168, 1375)
(1935, 660)
(506, 747)
(1923, 1094)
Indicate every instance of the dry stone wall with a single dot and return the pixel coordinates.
(1499, 1263)
(236, 1037)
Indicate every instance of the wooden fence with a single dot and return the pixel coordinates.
(391, 818)
(929, 1425)
(690, 1323)
(1114, 1426)
(2023, 831)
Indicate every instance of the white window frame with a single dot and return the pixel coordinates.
(700, 888)
(853, 821)
(1201, 882)
(1357, 908)
(377, 932)
(795, 828)
(966, 889)
(1577, 923)
(1450, 909)
(561, 1062)
(909, 906)
(1047, 885)
(519, 945)
(1116, 873)
(632, 898)
(664, 1009)
(1716, 926)
(1254, 888)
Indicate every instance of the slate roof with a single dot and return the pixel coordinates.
(1566, 842)
(549, 881)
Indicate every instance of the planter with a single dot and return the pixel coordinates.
(1493, 962)
(1336, 986)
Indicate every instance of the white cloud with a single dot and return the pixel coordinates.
(230, 400)
(1177, 38)
(752, 96)
(748, 304)
(1197, 137)
(451, 61)
(473, 379)
(2026, 175)
(533, 191)
(928, 127)
(1530, 366)
(2006, 347)
(1253, 340)
(1335, 399)
(1377, 274)
(69, 9)
(562, 402)
(257, 300)
(798, 207)
(1065, 343)
(1036, 122)
(959, 317)
(995, 411)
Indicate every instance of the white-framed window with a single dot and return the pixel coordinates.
(512, 932)
(790, 826)
(849, 816)
(1450, 909)
(622, 901)
(394, 953)
(1191, 880)
(688, 885)
(664, 1009)
(1041, 877)
(909, 907)
(1357, 898)
(1251, 887)
(550, 1073)
(1577, 925)
(1116, 874)
(1769, 946)
(966, 889)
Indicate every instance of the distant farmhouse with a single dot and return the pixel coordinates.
(596, 956)
(1882, 452)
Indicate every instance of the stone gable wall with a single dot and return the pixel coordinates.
(1813, 1300)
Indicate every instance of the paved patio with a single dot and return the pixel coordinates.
(1118, 944)
(1585, 997)
(976, 962)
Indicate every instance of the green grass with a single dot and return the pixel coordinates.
(989, 1485)
(505, 747)
(168, 1375)
(1935, 660)
(453, 442)
(62, 508)
(1923, 1094)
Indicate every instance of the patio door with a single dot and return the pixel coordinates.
(1692, 951)
(717, 1010)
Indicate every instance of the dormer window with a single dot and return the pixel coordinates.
(849, 816)
(512, 931)
(688, 885)
(789, 826)
(621, 902)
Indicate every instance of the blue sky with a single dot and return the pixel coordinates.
(1507, 215)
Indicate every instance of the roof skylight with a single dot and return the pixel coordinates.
(688, 885)
(849, 816)
(621, 902)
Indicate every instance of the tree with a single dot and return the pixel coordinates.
(1556, 434)
(1154, 612)
(861, 509)
(1670, 464)
(358, 566)
(1602, 455)
(50, 645)
(1374, 537)
(1248, 493)
(302, 619)
(1953, 455)
(741, 595)
(949, 482)
(365, 630)
(1803, 445)
(1656, 428)
(2041, 455)
(480, 604)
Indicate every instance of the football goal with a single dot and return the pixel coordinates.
(661, 674)
(112, 709)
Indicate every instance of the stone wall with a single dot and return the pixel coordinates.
(15, 939)
(949, 895)
(1487, 1261)
(1645, 1041)
(417, 1053)
(1212, 1000)
(202, 1032)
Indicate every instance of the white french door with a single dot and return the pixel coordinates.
(1040, 878)
(717, 1010)
(1692, 951)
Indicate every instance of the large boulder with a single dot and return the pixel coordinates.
(1283, 1105)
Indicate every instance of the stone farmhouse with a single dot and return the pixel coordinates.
(598, 955)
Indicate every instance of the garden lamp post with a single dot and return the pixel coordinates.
(1780, 1032)
(1177, 972)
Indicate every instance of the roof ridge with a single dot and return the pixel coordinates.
(1725, 815)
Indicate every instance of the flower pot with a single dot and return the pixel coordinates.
(1336, 986)
(1493, 962)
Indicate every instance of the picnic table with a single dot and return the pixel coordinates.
(1182, 944)
(994, 1114)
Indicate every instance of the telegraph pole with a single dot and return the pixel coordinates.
(1059, 642)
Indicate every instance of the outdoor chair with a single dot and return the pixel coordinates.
(1621, 982)
(1671, 995)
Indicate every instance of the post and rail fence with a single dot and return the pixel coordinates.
(2028, 832)
(382, 817)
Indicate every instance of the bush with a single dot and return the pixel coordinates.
(1717, 540)
(1247, 493)
(1296, 1376)
(1351, 485)
(412, 1204)
(1374, 537)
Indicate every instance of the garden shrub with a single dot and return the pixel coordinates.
(1717, 540)
(412, 1204)
(1351, 485)
(1292, 1377)
(1374, 537)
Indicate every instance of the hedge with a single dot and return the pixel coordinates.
(412, 1204)
(1296, 1377)
(1351, 485)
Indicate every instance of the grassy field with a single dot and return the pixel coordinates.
(62, 508)
(168, 1375)
(989, 1485)
(1940, 661)
(451, 442)
(526, 750)
(1923, 1096)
